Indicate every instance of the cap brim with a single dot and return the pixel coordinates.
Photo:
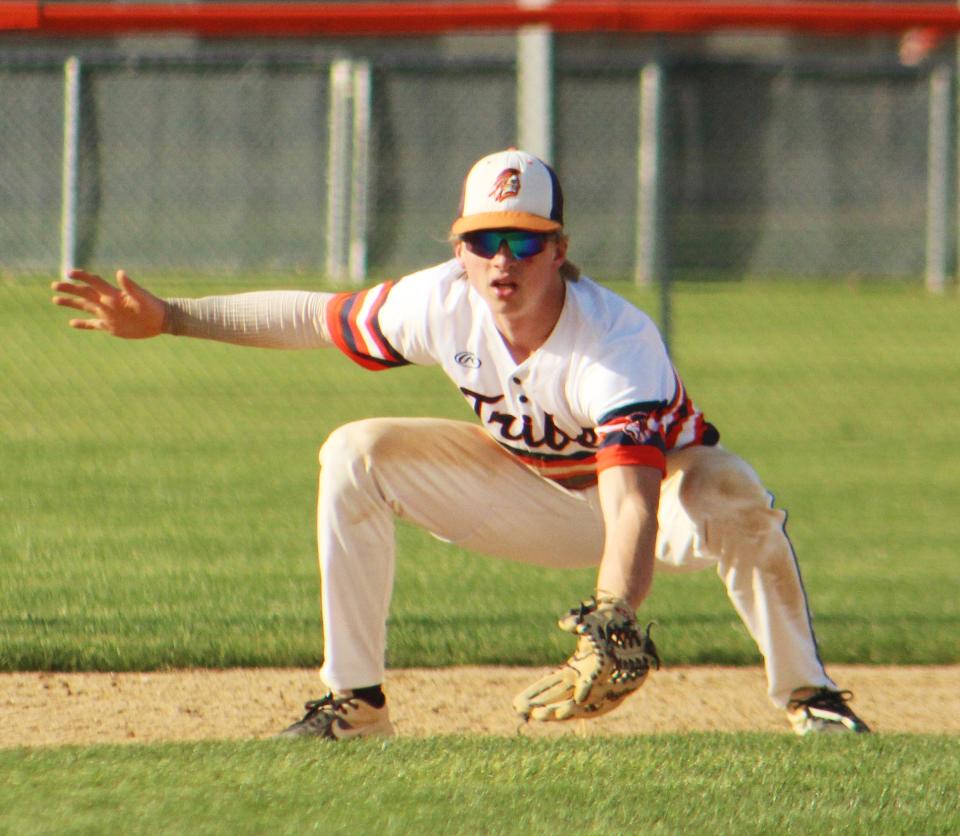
(503, 220)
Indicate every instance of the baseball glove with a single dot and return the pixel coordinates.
(612, 660)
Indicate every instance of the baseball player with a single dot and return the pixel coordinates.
(586, 451)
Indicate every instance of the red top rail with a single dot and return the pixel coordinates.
(411, 18)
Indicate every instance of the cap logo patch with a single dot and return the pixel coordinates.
(506, 185)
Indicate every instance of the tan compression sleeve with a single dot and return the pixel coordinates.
(288, 319)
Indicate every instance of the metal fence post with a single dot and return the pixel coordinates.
(940, 201)
(535, 87)
(651, 260)
(347, 170)
(338, 169)
(359, 179)
(70, 167)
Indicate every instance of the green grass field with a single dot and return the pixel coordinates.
(159, 496)
(701, 783)
(156, 510)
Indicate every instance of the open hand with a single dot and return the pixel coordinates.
(125, 310)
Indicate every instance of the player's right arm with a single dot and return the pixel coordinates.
(380, 327)
(264, 319)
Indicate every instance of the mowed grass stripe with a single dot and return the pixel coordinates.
(699, 783)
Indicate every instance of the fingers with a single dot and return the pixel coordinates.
(82, 304)
(81, 290)
(91, 279)
(87, 294)
(128, 285)
(92, 283)
(84, 285)
(85, 306)
(87, 324)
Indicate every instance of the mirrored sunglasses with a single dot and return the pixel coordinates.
(522, 244)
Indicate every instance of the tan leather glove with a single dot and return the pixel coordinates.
(611, 661)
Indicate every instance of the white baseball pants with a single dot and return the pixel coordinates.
(452, 479)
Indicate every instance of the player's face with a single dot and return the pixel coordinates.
(517, 274)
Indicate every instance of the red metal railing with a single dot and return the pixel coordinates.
(381, 18)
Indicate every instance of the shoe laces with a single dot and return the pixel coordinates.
(824, 698)
(326, 707)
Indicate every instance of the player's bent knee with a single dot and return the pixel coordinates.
(715, 483)
(726, 499)
(348, 464)
(371, 444)
(356, 440)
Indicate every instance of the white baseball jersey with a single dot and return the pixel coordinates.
(601, 391)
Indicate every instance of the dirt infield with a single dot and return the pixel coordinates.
(83, 708)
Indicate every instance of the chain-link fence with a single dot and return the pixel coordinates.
(770, 163)
(802, 172)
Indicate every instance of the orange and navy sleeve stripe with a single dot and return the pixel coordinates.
(684, 424)
(354, 326)
(633, 435)
(642, 433)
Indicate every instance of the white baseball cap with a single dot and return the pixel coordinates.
(510, 190)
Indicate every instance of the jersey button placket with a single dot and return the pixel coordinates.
(516, 381)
